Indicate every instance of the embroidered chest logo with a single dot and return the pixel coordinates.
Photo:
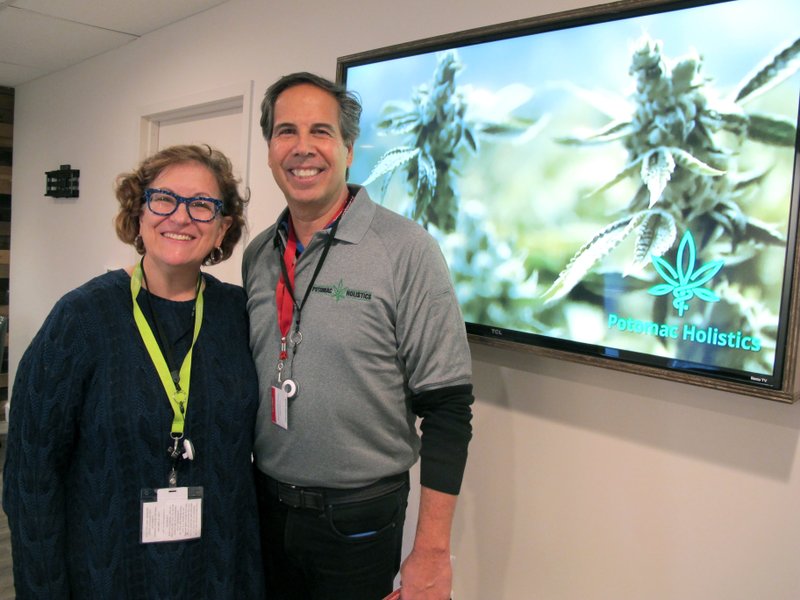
(340, 291)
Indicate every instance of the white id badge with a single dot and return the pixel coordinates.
(280, 407)
(171, 514)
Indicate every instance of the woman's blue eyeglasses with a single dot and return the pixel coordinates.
(163, 203)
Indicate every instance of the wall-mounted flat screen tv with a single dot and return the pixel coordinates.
(616, 185)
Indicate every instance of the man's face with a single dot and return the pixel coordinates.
(307, 153)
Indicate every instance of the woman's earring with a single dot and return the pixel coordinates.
(213, 257)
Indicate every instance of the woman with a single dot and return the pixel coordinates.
(121, 480)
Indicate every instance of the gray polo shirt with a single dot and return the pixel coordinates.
(380, 324)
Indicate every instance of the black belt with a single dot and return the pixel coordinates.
(317, 498)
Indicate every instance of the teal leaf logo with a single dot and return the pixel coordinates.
(339, 290)
(683, 281)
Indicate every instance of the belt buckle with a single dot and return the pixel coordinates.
(311, 499)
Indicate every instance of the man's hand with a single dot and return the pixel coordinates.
(427, 574)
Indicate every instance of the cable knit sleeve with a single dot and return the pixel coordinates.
(45, 408)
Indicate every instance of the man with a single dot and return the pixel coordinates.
(355, 332)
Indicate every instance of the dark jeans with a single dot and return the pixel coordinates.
(341, 550)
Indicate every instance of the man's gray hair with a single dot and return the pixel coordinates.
(348, 101)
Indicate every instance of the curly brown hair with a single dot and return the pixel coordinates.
(130, 189)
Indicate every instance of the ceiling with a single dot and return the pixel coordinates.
(38, 37)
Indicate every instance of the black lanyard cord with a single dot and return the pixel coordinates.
(317, 269)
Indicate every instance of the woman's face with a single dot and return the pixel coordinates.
(176, 241)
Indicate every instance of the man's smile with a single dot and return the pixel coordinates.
(305, 172)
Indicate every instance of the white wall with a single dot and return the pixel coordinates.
(583, 483)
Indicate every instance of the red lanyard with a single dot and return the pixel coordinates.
(283, 294)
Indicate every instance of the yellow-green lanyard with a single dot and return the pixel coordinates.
(178, 395)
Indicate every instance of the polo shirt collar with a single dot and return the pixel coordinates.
(358, 217)
(355, 221)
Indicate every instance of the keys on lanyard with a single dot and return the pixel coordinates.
(289, 386)
(177, 452)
